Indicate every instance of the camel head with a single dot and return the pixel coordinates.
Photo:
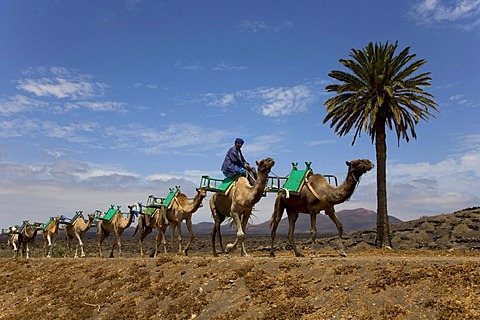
(91, 216)
(359, 167)
(135, 208)
(265, 165)
(202, 193)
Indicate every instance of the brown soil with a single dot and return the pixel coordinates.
(368, 284)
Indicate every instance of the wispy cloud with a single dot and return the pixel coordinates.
(462, 13)
(73, 132)
(269, 102)
(60, 83)
(284, 101)
(258, 26)
(97, 105)
(185, 138)
(198, 66)
(186, 65)
(223, 66)
(19, 103)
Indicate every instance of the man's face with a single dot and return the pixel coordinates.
(238, 144)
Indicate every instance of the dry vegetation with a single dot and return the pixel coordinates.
(434, 273)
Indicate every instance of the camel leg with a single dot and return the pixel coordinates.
(313, 231)
(79, 244)
(192, 237)
(141, 236)
(292, 218)
(160, 238)
(15, 248)
(240, 234)
(243, 252)
(119, 245)
(53, 239)
(101, 236)
(275, 220)
(25, 250)
(333, 216)
(67, 244)
(45, 246)
(179, 237)
(218, 219)
(173, 227)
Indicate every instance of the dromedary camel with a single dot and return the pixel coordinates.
(315, 195)
(50, 235)
(77, 230)
(238, 203)
(117, 224)
(182, 209)
(27, 235)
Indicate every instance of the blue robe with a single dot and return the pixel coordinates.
(233, 162)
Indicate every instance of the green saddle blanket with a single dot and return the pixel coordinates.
(217, 185)
(296, 179)
(110, 213)
(45, 225)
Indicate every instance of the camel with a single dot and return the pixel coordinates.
(315, 195)
(77, 229)
(238, 203)
(50, 235)
(117, 224)
(181, 209)
(27, 235)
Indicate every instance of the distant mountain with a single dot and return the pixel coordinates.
(352, 220)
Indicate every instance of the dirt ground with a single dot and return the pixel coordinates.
(367, 284)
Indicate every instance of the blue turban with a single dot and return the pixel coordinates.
(239, 140)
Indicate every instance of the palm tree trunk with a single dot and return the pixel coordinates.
(383, 225)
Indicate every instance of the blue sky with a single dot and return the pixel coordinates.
(107, 102)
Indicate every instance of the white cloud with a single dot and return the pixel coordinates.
(166, 139)
(192, 66)
(285, 101)
(97, 105)
(223, 66)
(257, 26)
(464, 13)
(270, 102)
(60, 88)
(60, 83)
(19, 103)
(37, 128)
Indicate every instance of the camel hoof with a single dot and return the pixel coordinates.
(298, 254)
(229, 247)
(272, 254)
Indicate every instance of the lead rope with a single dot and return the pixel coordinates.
(309, 186)
(357, 182)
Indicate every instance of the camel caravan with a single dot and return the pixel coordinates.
(233, 200)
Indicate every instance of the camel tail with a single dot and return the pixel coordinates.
(135, 232)
(278, 209)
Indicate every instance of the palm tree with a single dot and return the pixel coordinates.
(379, 92)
